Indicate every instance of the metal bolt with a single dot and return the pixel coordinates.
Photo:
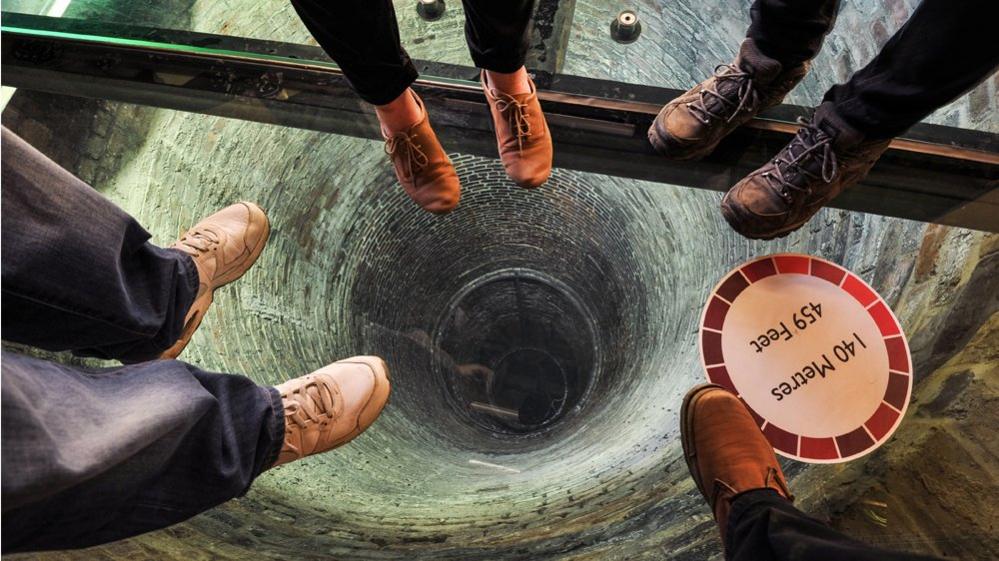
(430, 10)
(626, 28)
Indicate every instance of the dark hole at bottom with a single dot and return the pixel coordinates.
(520, 352)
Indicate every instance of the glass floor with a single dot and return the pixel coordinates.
(584, 298)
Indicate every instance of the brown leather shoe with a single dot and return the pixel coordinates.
(825, 157)
(692, 125)
(331, 406)
(224, 246)
(422, 166)
(522, 135)
(725, 451)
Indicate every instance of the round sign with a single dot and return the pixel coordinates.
(813, 352)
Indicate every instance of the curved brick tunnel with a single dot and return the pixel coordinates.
(608, 275)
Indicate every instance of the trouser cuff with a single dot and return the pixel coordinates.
(744, 504)
(274, 431)
(393, 88)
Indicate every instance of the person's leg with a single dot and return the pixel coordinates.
(764, 526)
(80, 274)
(791, 31)
(362, 37)
(944, 50)
(497, 34)
(736, 470)
(783, 36)
(95, 455)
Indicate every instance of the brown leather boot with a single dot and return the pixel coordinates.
(223, 246)
(422, 166)
(692, 125)
(522, 136)
(825, 157)
(725, 450)
(331, 406)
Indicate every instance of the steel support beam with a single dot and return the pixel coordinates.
(935, 174)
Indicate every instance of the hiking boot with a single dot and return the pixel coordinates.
(692, 125)
(825, 157)
(423, 168)
(725, 450)
(522, 136)
(331, 406)
(223, 246)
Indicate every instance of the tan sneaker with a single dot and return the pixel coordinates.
(331, 406)
(422, 167)
(522, 135)
(224, 246)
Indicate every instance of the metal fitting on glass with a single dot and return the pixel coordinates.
(430, 10)
(626, 28)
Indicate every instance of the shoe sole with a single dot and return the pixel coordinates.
(781, 233)
(687, 433)
(379, 394)
(656, 140)
(202, 303)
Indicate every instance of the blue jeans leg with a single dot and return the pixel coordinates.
(96, 455)
(79, 273)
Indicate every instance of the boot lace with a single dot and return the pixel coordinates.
(516, 114)
(789, 173)
(413, 157)
(199, 241)
(312, 403)
(747, 98)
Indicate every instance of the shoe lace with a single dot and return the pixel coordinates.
(747, 98)
(809, 144)
(414, 158)
(516, 114)
(313, 403)
(199, 241)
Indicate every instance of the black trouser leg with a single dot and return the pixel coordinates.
(497, 32)
(945, 49)
(362, 36)
(762, 526)
(78, 272)
(96, 455)
(791, 31)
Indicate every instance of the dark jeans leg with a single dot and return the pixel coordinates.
(945, 49)
(497, 32)
(96, 455)
(362, 36)
(762, 526)
(79, 273)
(791, 31)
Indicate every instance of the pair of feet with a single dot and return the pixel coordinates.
(825, 157)
(322, 410)
(423, 167)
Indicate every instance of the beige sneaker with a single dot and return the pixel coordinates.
(224, 246)
(331, 406)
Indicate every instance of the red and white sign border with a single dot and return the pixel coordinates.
(889, 414)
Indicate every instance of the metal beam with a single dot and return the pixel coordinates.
(936, 174)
